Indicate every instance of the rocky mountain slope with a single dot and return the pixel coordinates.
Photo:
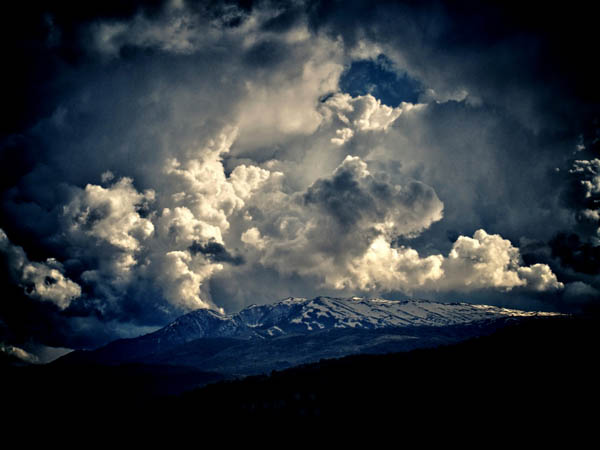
(295, 331)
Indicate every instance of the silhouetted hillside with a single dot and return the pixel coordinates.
(534, 371)
(539, 371)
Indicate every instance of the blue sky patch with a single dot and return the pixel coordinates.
(378, 78)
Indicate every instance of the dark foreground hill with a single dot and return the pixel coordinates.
(295, 331)
(533, 371)
(540, 372)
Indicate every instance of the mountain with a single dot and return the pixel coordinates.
(524, 376)
(327, 359)
(532, 373)
(296, 331)
(299, 315)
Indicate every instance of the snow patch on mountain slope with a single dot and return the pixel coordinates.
(301, 315)
(299, 330)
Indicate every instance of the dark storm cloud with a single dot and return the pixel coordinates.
(43, 42)
(352, 195)
(24, 318)
(342, 197)
(216, 252)
(572, 252)
(289, 16)
(576, 249)
(503, 52)
(119, 156)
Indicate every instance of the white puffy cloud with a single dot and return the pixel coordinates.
(383, 268)
(539, 277)
(361, 114)
(246, 179)
(253, 238)
(200, 182)
(181, 277)
(111, 214)
(206, 200)
(46, 281)
(109, 219)
(482, 262)
(489, 261)
(354, 166)
(180, 228)
(40, 280)
(343, 136)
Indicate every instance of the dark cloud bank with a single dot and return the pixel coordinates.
(158, 157)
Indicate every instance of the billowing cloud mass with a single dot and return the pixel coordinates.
(321, 231)
(43, 281)
(168, 156)
(110, 216)
(361, 113)
(488, 261)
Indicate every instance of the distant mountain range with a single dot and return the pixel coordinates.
(296, 331)
(336, 361)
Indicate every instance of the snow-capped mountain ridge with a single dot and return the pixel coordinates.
(305, 315)
(200, 324)
(295, 331)
(301, 315)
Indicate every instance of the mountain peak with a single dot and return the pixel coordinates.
(300, 315)
(296, 330)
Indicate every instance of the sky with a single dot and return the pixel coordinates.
(159, 157)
